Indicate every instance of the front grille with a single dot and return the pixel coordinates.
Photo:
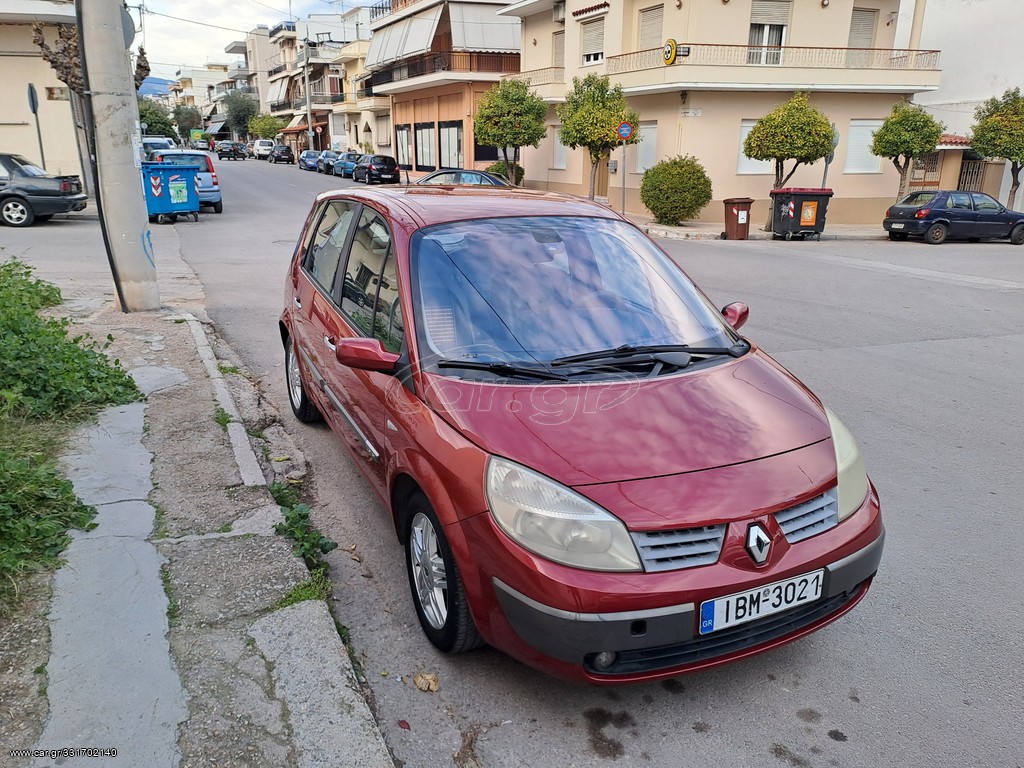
(810, 518)
(682, 548)
(727, 641)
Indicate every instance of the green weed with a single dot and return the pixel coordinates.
(222, 417)
(310, 543)
(316, 587)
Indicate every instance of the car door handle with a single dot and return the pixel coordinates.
(329, 344)
(298, 304)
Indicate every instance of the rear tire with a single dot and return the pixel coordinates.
(1017, 235)
(436, 585)
(936, 234)
(302, 407)
(218, 207)
(16, 212)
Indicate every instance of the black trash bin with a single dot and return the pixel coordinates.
(799, 211)
(737, 218)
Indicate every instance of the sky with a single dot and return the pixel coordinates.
(200, 30)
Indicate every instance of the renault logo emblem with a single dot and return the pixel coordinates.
(759, 544)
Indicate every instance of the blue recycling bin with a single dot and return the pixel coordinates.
(171, 191)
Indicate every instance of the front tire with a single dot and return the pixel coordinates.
(1017, 235)
(16, 212)
(302, 406)
(936, 234)
(436, 585)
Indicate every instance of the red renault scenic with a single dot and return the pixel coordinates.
(588, 466)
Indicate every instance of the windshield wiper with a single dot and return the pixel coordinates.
(628, 353)
(503, 369)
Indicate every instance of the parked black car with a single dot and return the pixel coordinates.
(456, 176)
(956, 214)
(232, 150)
(382, 168)
(281, 153)
(325, 162)
(29, 194)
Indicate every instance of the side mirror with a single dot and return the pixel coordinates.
(366, 355)
(735, 314)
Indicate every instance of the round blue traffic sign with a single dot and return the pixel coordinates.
(625, 130)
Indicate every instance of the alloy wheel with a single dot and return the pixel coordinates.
(428, 569)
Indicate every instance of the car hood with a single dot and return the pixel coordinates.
(583, 434)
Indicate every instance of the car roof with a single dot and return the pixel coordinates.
(420, 206)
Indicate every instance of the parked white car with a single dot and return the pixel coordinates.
(261, 148)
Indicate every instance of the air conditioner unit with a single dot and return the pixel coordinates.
(558, 11)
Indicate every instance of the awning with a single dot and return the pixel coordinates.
(276, 90)
(215, 127)
(297, 125)
(405, 38)
(476, 28)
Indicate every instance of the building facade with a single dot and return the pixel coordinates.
(734, 62)
(435, 59)
(22, 64)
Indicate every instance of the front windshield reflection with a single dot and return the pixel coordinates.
(530, 290)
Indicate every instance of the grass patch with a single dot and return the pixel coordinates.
(225, 368)
(226, 528)
(173, 609)
(316, 587)
(222, 417)
(285, 494)
(50, 380)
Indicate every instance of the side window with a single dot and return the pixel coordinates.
(370, 244)
(387, 324)
(328, 243)
(984, 202)
(960, 200)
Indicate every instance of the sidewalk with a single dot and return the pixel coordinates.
(166, 639)
(709, 230)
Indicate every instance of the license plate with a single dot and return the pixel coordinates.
(897, 225)
(386, 175)
(723, 612)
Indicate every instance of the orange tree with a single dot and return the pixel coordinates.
(907, 133)
(999, 132)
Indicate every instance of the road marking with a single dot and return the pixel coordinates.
(932, 275)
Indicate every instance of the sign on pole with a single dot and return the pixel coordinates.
(33, 104)
(625, 131)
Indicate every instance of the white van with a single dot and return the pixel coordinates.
(261, 148)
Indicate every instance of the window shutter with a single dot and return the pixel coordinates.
(558, 49)
(858, 147)
(862, 28)
(745, 164)
(593, 37)
(650, 27)
(647, 149)
(770, 12)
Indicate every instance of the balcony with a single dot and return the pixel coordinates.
(368, 102)
(281, 106)
(277, 65)
(548, 83)
(439, 67)
(284, 28)
(322, 53)
(344, 103)
(385, 7)
(776, 68)
(354, 51)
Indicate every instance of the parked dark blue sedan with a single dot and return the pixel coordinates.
(307, 159)
(937, 215)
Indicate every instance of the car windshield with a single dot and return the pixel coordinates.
(531, 290)
(25, 167)
(917, 199)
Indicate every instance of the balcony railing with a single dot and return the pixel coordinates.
(544, 76)
(452, 61)
(280, 106)
(284, 26)
(778, 56)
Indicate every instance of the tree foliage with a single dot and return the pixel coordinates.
(187, 118)
(158, 122)
(510, 115)
(999, 132)
(792, 131)
(265, 126)
(591, 115)
(675, 189)
(240, 108)
(907, 133)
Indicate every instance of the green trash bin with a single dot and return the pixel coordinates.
(799, 211)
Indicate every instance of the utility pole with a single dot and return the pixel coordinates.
(309, 96)
(112, 120)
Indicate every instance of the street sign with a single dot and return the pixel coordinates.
(625, 130)
(33, 99)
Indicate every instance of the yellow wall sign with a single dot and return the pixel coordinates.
(668, 53)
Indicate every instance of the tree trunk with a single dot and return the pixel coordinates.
(904, 170)
(1014, 184)
(593, 175)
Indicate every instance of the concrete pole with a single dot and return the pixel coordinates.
(917, 24)
(112, 117)
(309, 96)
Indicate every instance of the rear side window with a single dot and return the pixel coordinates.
(917, 199)
(328, 244)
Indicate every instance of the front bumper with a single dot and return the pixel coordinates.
(650, 641)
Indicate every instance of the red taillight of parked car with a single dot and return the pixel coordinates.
(209, 167)
(888, 212)
(922, 213)
(66, 186)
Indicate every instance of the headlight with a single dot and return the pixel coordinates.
(853, 480)
(556, 523)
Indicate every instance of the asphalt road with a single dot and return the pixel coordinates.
(919, 349)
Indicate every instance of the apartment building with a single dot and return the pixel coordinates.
(735, 60)
(248, 74)
(22, 63)
(434, 59)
